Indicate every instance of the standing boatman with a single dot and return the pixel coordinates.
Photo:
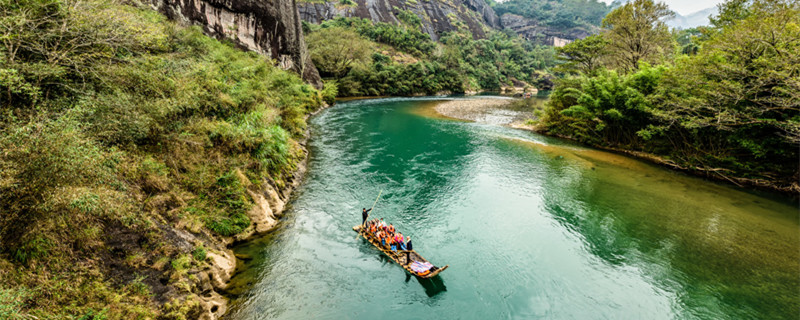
(409, 247)
(364, 215)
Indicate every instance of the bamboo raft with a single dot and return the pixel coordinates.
(399, 257)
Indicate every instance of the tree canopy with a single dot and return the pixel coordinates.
(729, 107)
(336, 50)
(562, 14)
(636, 32)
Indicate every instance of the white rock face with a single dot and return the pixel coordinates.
(261, 214)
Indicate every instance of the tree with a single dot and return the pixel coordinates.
(636, 32)
(689, 40)
(730, 12)
(336, 50)
(582, 56)
(750, 73)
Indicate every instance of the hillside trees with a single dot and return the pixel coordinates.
(730, 109)
(636, 32)
(336, 50)
(562, 14)
(401, 61)
(583, 55)
(750, 92)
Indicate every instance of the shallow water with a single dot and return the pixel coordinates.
(532, 227)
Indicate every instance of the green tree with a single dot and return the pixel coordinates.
(688, 40)
(582, 56)
(750, 93)
(336, 50)
(636, 32)
(731, 11)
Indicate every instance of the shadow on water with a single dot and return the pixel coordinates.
(432, 286)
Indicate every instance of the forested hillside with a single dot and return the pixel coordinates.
(724, 103)
(123, 137)
(364, 58)
(557, 14)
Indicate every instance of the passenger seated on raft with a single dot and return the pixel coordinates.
(399, 240)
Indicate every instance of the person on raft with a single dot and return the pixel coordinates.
(408, 249)
(364, 215)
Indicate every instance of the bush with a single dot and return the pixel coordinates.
(129, 123)
(199, 253)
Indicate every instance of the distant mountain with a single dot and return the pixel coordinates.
(699, 18)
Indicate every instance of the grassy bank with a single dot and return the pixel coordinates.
(118, 128)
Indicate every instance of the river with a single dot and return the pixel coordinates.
(531, 227)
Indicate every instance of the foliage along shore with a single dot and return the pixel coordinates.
(721, 101)
(134, 150)
(477, 109)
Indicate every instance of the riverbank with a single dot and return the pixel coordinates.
(125, 196)
(499, 112)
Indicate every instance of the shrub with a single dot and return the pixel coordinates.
(199, 253)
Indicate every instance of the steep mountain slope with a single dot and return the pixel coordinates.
(134, 151)
(271, 28)
(438, 16)
(552, 22)
(543, 34)
(540, 21)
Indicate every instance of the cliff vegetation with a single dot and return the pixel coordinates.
(366, 58)
(119, 132)
(556, 13)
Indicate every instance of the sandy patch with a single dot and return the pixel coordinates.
(490, 111)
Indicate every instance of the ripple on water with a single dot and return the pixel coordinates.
(531, 227)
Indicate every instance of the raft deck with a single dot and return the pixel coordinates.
(399, 257)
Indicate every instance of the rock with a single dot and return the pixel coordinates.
(213, 305)
(531, 30)
(544, 81)
(275, 201)
(261, 214)
(437, 16)
(271, 28)
(223, 264)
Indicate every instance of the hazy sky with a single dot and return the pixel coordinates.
(685, 7)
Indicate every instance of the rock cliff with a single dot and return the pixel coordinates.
(533, 31)
(271, 28)
(438, 16)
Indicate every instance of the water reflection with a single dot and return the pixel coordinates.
(532, 227)
(432, 286)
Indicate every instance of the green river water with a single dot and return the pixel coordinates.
(531, 226)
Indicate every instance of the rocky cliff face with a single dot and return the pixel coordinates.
(271, 28)
(531, 30)
(438, 16)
